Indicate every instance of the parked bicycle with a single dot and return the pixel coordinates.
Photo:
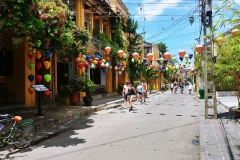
(14, 130)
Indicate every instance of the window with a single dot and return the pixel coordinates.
(6, 63)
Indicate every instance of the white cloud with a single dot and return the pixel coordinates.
(151, 8)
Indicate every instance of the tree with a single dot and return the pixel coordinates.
(162, 47)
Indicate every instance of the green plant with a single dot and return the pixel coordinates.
(88, 87)
(64, 91)
(77, 83)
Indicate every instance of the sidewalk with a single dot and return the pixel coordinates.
(219, 138)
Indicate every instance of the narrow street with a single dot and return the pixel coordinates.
(164, 127)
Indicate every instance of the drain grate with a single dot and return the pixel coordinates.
(134, 112)
(195, 142)
(157, 104)
(195, 105)
(123, 112)
(178, 115)
(193, 116)
(182, 104)
(148, 113)
(162, 114)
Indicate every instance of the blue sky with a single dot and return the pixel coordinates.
(168, 22)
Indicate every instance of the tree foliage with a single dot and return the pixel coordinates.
(162, 47)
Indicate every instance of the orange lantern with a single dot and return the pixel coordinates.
(135, 56)
(77, 59)
(107, 50)
(31, 90)
(149, 56)
(199, 48)
(120, 53)
(167, 55)
(181, 53)
(234, 32)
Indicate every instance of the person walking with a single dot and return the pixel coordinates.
(144, 90)
(130, 95)
(181, 85)
(163, 87)
(124, 93)
(171, 86)
(139, 92)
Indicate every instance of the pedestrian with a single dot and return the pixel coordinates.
(124, 93)
(144, 90)
(175, 87)
(130, 95)
(163, 87)
(190, 86)
(171, 86)
(139, 92)
(181, 85)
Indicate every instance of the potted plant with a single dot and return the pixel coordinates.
(88, 89)
(77, 83)
(63, 95)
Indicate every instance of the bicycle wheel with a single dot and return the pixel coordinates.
(5, 130)
(24, 136)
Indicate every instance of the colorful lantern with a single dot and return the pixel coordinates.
(47, 77)
(77, 59)
(181, 53)
(190, 56)
(38, 78)
(88, 57)
(38, 55)
(97, 59)
(149, 56)
(82, 60)
(161, 60)
(199, 48)
(167, 55)
(181, 59)
(30, 77)
(30, 65)
(90, 61)
(80, 65)
(95, 62)
(103, 60)
(85, 64)
(47, 93)
(99, 63)
(108, 59)
(30, 55)
(120, 53)
(47, 64)
(105, 70)
(187, 57)
(135, 56)
(84, 56)
(115, 68)
(165, 61)
(124, 55)
(38, 65)
(235, 32)
(31, 90)
(43, 58)
(107, 50)
(47, 53)
(92, 66)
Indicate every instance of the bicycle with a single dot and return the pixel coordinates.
(20, 134)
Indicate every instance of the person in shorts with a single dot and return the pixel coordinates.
(144, 90)
(163, 87)
(171, 86)
(139, 92)
(124, 93)
(130, 95)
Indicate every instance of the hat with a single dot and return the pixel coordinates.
(126, 81)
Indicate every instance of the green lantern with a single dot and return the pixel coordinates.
(30, 65)
(47, 77)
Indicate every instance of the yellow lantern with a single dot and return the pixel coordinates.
(95, 62)
(47, 64)
(38, 55)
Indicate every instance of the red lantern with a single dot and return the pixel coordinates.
(234, 32)
(38, 78)
(80, 65)
(149, 56)
(30, 55)
(181, 53)
(135, 56)
(199, 48)
(120, 53)
(43, 58)
(107, 50)
(47, 92)
(77, 59)
(85, 64)
(99, 63)
(90, 61)
(38, 65)
(167, 55)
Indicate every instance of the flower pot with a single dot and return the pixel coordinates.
(237, 113)
(87, 101)
(75, 98)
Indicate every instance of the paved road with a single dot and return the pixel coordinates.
(162, 128)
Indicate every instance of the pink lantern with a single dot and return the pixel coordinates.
(120, 53)
(38, 65)
(135, 56)
(167, 55)
(107, 50)
(38, 78)
(181, 53)
(149, 56)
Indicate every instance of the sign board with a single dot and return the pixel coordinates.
(40, 87)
